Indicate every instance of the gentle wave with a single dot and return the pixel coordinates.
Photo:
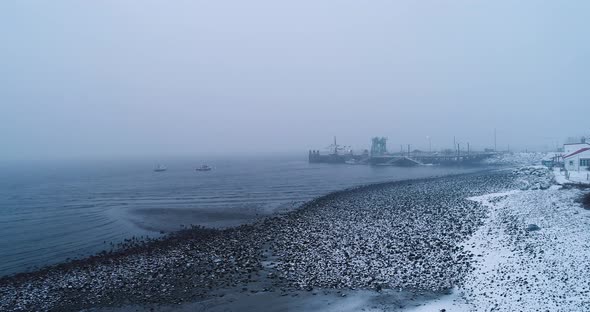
(49, 215)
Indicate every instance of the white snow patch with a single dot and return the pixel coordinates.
(485, 199)
(571, 177)
(542, 270)
(582, 177)
(559, 175)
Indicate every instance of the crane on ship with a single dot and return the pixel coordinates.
(334, 148)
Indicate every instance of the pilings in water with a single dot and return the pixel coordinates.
(314, 156)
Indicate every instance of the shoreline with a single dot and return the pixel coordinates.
(136, 243)
(249, 262)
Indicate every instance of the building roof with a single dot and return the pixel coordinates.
(577, 152)
(551, 156)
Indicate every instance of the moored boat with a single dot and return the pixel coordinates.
(203, 168)
(160, 168)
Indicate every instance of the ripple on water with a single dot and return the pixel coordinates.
(48, 215)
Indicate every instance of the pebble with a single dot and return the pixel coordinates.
(393, 235)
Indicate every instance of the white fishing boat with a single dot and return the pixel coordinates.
(203, 168)
(160, 168)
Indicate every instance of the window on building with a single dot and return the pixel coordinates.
(585, 162)
(571, 162)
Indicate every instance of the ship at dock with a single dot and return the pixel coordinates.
(380, 156)
(338, 154)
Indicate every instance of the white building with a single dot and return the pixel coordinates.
(577, 160)
(569, 148)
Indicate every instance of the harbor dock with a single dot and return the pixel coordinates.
(379, 156)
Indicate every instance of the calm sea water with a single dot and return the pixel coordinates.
(53, 211)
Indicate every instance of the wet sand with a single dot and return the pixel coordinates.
(317, 300)
(169, 219)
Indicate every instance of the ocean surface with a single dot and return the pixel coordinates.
(53, 211)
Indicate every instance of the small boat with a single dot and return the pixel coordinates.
(203, 168)
(160, 168)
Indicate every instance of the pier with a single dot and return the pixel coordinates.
(379, 156)
(427, 159)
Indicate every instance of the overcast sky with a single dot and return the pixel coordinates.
(120, 78)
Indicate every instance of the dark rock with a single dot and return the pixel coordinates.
(532, 227)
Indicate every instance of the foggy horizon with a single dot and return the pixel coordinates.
(335, 155)
(150, 78)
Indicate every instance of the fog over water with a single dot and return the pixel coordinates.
(151, 78)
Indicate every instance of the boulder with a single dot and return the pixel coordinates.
(532, 227)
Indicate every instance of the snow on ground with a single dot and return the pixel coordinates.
(522, 269)
(533, 178)
(571, 177)
(532, 252)
(516, 159)
(559, 176)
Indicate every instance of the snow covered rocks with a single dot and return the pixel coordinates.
(398, 235)
(533, 178)
(544, 266)
(516, 159)
(409, 235)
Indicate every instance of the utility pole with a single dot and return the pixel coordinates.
(408, 150)
(454, 142)
(495, 148)
(468, 149)
(335, 146)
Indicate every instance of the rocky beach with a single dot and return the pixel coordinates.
(314, 156)
(397, 245)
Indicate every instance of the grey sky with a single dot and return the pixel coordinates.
(108, 78)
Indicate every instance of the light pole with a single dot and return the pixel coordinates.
(429, 143)
(458, 149)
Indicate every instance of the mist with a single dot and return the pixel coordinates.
(141, 78)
